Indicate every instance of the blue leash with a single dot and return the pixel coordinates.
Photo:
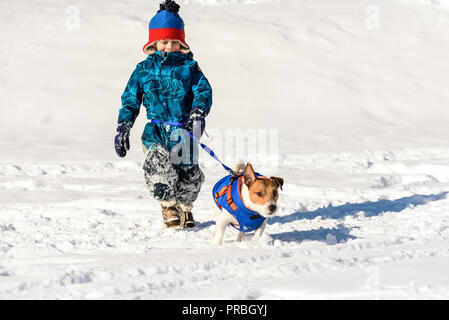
(205, 148)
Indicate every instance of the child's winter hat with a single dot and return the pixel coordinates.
(166, 24)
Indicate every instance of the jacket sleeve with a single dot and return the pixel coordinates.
(131, 99)
(202, 91)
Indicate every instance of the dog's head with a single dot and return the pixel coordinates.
(263, 194)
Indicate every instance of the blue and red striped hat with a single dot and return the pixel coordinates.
(166, 24)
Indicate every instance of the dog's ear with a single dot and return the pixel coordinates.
(279, 181)
(249, 176)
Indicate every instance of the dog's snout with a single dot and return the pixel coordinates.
(272, 207)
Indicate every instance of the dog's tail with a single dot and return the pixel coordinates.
(239, 166)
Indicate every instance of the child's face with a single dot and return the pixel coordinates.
(168, 46)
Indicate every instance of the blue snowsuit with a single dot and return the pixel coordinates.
(170, 86)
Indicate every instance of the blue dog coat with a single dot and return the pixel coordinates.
(226, 193)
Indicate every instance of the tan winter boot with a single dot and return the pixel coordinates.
(171, 214)
(186, 215)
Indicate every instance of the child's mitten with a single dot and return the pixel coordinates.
(121, 141)
(196, 122)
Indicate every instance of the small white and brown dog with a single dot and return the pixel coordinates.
(248, 199)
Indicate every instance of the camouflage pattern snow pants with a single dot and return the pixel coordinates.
(167, 181)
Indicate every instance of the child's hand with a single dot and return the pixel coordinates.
(195, 123)
(121, 141)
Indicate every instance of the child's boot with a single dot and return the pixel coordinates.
(186, 215)
(171, 213)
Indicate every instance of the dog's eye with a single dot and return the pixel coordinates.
(275, 193)
(260, 194)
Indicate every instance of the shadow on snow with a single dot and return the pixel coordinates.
(369, 208)
(328, 235)
(342, 234)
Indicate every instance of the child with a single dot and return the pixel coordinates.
(172, 87)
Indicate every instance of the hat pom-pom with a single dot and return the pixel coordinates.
(170, 6)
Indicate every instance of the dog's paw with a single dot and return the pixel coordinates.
(262, 242)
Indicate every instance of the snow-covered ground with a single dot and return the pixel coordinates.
(355, 91)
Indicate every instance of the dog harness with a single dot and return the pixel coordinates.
(226, 193)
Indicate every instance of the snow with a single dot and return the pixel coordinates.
(355, 91)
